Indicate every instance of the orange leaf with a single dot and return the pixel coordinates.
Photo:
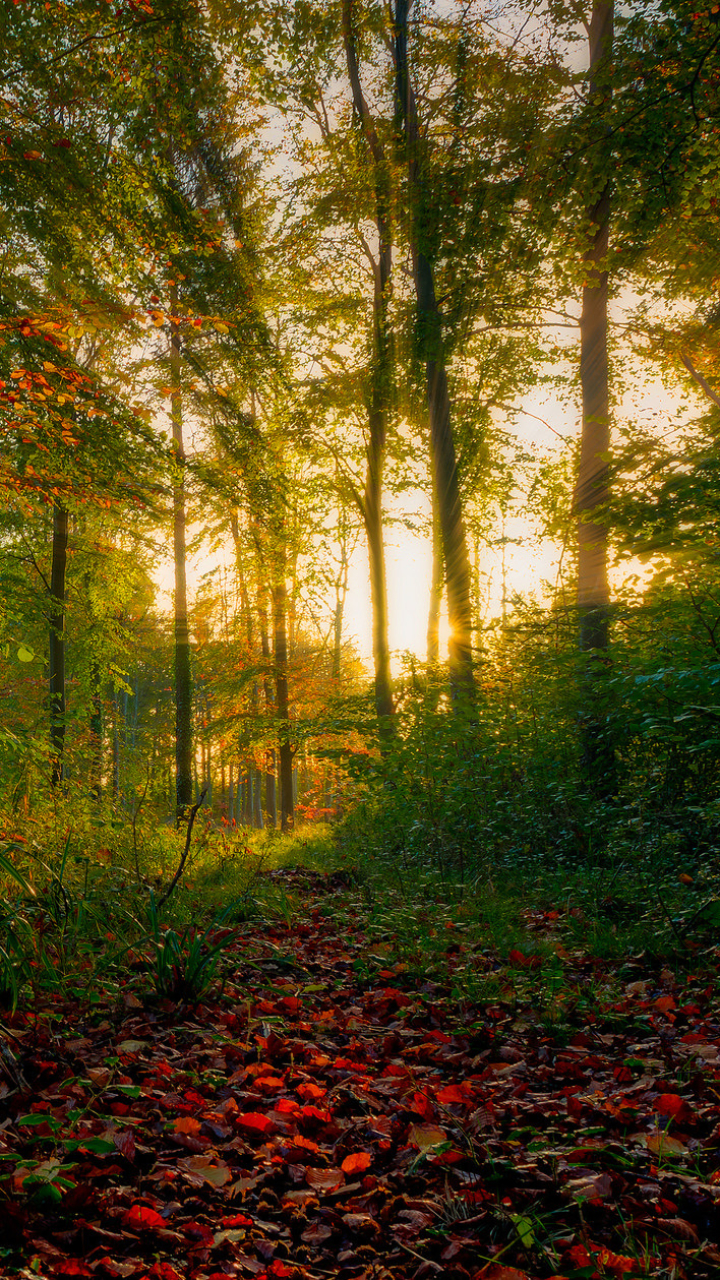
(311, 1091)
(355, 1163)
(254, 1120)
(186, 1124)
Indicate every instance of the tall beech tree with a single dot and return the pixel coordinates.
(445, 476)
(592, 491)
(381, 378)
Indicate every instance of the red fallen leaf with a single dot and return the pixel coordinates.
(237, 1220)
(450, 1094)
(422, 1106)
(163, 1271)
(290, 1003)
(303, 1144)
(269, 1084)
(287, 1106)
(356, 1162)
(125, 1143)
(315, 1113)
(141, 1218)
(614, 1261)
(523, 961)
(671, 1104)
(309, 1090)
(254, 1120)
(278, 1268)
(497, 1272)
(663, 1003)
(198, 1231)
(71, 1267)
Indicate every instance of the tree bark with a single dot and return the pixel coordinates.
(270, 764)
(96, 735)
(442, 441)
(593, 487)
(183, 675)
(282, 706)
(56, 619)
(436, 589)
(380, 391)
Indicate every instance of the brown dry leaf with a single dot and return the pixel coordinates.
(324, 1179)
(316, 1233)
(594, 1187)
(213, 1172)
(679, 1229)
(661, 1144)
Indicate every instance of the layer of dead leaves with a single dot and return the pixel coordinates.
(311, 1122)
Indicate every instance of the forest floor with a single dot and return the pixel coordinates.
(329, 1112)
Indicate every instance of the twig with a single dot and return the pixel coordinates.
(191, 820)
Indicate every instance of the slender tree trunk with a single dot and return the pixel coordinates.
(442, 442)
(96, 735)
(116, 747)
(593, 489)
(271, 788)
(341, 589)
(183, 677)
(380, 390)
(436, 589)
(270, 768)
(257, 799)
(285, 751)
(56, 619)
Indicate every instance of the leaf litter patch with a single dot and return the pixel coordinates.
(312, 1121)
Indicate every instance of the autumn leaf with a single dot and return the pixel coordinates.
(140, 1218)
(357, 1162)
(324, 1179)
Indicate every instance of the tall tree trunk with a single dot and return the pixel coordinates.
(56, 619)
(341, 590)
(270, 765)
(183, 677)
(436, 588)
(593, 489)
(380, 390)
(96, 735)
(257, 799)
(282, 706)
(442, 442)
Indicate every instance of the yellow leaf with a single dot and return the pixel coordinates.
(220, 327)
(426, 1136)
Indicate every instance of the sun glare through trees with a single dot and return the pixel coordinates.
(359, 639)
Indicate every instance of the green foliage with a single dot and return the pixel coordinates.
(184, 963)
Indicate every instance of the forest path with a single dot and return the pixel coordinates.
(326, 1115)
